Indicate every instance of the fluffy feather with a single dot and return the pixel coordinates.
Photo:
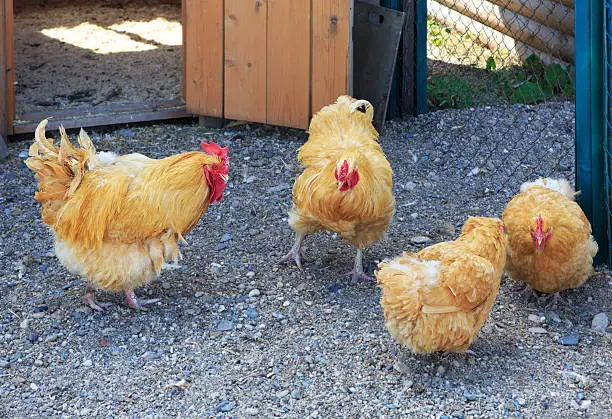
(439, 298)
(343, 132)
(116, 219)
(566, 261)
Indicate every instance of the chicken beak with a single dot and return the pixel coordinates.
(539, 241)
(340, 184)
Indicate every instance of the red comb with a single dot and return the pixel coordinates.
(214, 149)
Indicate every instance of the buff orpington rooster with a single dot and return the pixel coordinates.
(117, 219)
(346, 186)
(550, 246)
(439, 298)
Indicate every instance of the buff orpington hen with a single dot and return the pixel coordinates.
(439, 298)
(346, 186)
(117, 219)
(550, 246)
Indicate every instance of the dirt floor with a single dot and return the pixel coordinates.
(82, 54)
(235, 335)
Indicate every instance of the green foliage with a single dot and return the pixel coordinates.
(534, 81)
(437, 34)
(491, 65)
(449, 91)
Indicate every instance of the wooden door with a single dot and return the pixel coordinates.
(203, 27)
(7, 75)
(245, 60)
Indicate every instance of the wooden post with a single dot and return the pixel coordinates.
(7, 90)
(547, 12)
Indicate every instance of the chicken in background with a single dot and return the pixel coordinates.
(117, 219)
(550, 246)
(346, 186)
(439, 298)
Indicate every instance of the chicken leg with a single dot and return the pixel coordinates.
(90, 300)
(357, 273)
(296, 251)
(137, 304)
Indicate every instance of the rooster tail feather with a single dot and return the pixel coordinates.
(59, 170)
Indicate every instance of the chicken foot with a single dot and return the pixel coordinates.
(296, 251)
(137, 304)
(90, 300)
(357, 273)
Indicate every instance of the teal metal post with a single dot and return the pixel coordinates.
(421, 56)
(590, 118)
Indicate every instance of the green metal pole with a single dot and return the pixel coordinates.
(421, 56)
(590, 118)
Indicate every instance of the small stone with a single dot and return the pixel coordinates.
(296, 394)
(282, 393)
(251, 411)
(33, 387)
(534, 318)
(4, 364)
(87, 363)
(25, 324)
(226, 238)
(600, 322)
(554, 317)
(52, 337)
(411, 186)
(151, 356)
(572, 339)
(254, 293)
(251, 313)
(510, 406)
(278, 188)
(538, 330)
(470, 397)
(446, 229)
(440, 371)
(420, 240)
(225, 325)
(32, 336)
(286, 304)
(401, 367)
(215, 269)
(115, 351)
(225, 406)
(585, 405)
(38, 363)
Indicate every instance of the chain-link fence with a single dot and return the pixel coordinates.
(514, 58)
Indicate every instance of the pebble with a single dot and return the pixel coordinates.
(440, 371)
(52, 337)
(278, 188)
(470, 397)
(225, 325)
(4, 364)
(226, 238)
(296, 394)
(600, 322)
(585, 405)
(537, 330)
(32, 336)
(286, 304)
(401, 367)
(571, 339)
(251, 313)
(33, 387)
(446, 229)
(215, 269)
(282, 393)
(87, 363)
(534, 318)
(254, 293)
(225, 406)
(420, 240)
(150, 356)
(251, 411)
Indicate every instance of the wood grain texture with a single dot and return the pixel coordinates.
(203, 56)
(331, 58)
(288, 75)
(245, 60)
(7, 73)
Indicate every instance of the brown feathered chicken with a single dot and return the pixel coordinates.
(439, 298)
(346, 186)
(550, 246)
(116, 219)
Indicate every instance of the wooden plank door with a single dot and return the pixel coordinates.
(331, 51)
(203, 27)
(245, 60)
(7, 73)
(288, 73)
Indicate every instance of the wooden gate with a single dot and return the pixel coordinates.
(269, 61)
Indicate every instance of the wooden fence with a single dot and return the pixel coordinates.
(523, 27)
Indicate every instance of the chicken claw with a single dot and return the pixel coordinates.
(90, 300)
(296, 252)
(137, 304)
(357, 273)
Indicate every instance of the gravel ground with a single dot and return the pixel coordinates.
(235, 335)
